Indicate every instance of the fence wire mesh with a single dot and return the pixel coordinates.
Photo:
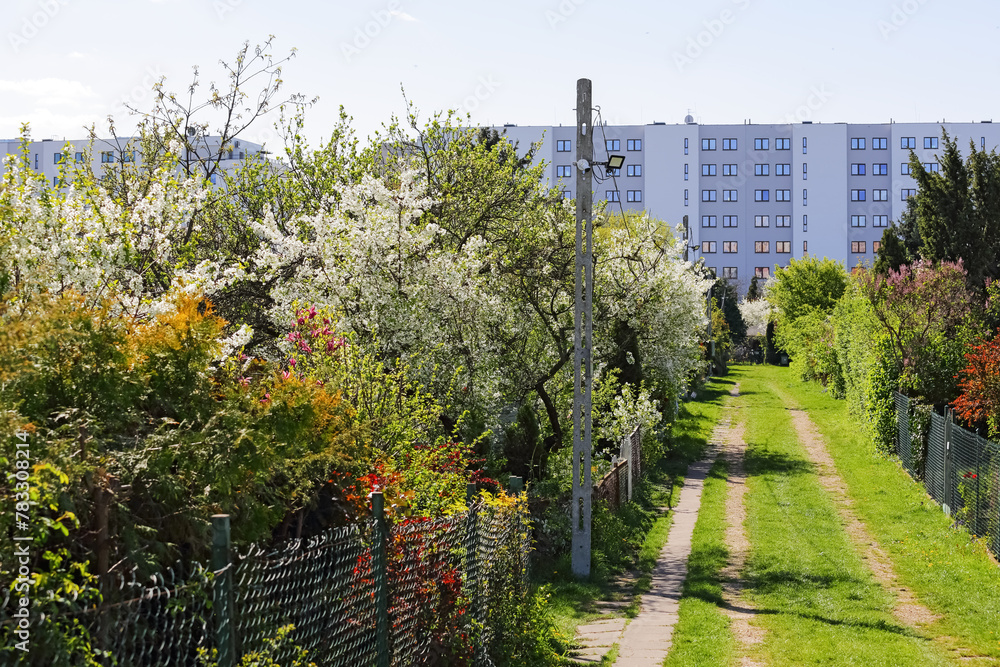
(455, 588)
(961, 469)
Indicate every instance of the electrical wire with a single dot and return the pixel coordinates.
(607, 171)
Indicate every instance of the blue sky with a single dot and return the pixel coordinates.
(69, 63)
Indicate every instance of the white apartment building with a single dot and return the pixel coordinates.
(48, 155)
(757, 195)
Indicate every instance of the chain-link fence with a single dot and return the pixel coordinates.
(960, 469)
(420, 592)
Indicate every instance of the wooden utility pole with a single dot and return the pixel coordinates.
(583, 334)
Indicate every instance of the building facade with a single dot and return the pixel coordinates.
(48, 156)
(756, 196)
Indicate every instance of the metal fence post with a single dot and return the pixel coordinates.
(225, 634)
(472, 571)
(948, 486)
(380, 572)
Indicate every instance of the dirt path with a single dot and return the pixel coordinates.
(739, 611)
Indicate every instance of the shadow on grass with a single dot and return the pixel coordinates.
(758, 462)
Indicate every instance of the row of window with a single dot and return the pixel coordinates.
(631, 195)
(860, 247)
(566, 145)
(731, 273)
(758, 221)
(758, 195)
(759, 247)
(877, 221)
(759, 144)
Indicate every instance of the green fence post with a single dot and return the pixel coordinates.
(948, 500)
(472, 572)
(380, 560)
(516, 484)
(225, 634)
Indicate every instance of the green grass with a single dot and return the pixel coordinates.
(948, 571)
(572, 601)
(818, 602)
(702, 635)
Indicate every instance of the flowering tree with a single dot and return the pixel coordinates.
(980, 385)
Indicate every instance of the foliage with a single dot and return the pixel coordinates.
(925, 310)
(980, 385)
(806, 285)
(266, 656)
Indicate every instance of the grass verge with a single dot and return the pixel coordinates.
(817, 600)
(642, 530)
(950, 572)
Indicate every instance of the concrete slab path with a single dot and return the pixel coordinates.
(647, 639)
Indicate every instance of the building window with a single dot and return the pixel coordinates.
(729, 144)
(564, 146)
(907, 142)
(613, 195)
(107, 157)
(730, 221)
(858, 169)
(564, 171)
(858, 144)
(730, 246)
(633, 196)
(858, 246)
(762, 195)
(880, 221)
(708, 170)
(783, 246)
(880, 143)
(805, 171)
(880, 195)
(805, 223)
(805, 197)
(708, 221)
(128, 156)
(708, 144)
(685, 146)
(730, 170)
(782, 221)
(55, 182)
(857, 195)
(857, 221)
(805, 247)
(876, 246)
(685, 172)
(707, 246)
(762, 272)
(634, 170)
(880, 169)
(709, 195)
(932, 167)
(761, 144)
(906, 193)
(634, 144)
(685, 197)
(729, 272)
(782, 144)
(567, 194)
(730, 195)
(930, 142)
(805, 146)
(711, 270)
(761, 246)
(982, 144)
(782, 170)
(613, 144)
(761, 169)
(79, 157)
(761, 221)
(904, 168)
(57, 158)
(782, 195)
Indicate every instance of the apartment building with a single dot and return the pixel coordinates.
(756, 196)
(49, 155)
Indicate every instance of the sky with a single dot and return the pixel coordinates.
(68, 64)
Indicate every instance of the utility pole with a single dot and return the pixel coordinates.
(583, 333)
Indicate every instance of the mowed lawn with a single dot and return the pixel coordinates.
(818, 601)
